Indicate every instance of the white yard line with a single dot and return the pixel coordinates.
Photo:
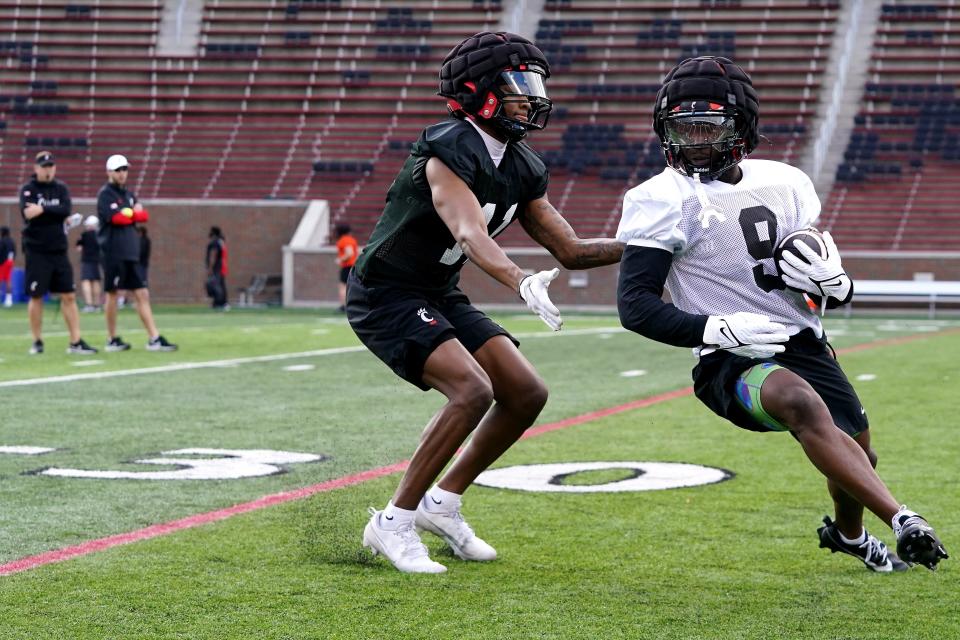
(175, 330)
(212, 364)
(185, 366)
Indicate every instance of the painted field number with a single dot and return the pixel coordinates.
(198, 464)
(641, 476)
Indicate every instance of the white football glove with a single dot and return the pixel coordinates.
(821, 277)
(751, 335)
(74, 220)
(533, 290)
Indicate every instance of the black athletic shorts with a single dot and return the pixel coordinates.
(344, 273)
(715, 376)
(403, 327)
(122, 274)
(47, 272)
(90, 271)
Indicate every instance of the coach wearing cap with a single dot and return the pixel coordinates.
(118, 210)
(45, 207)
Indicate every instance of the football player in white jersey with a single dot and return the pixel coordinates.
(706, 228)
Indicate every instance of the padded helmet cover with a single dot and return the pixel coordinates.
(479, 59)
(716, 79)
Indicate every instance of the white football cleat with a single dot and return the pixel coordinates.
(402, 547)
(455, 532)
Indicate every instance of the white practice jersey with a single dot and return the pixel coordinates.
(724, 263)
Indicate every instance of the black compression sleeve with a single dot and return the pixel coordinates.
(643, 272)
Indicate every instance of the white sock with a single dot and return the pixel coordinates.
(393, 516)
(856, 541)
(439, 500)
(902, 514)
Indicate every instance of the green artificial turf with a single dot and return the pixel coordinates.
(737, 559)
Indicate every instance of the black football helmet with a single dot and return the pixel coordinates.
(488, 69)
(706, 116)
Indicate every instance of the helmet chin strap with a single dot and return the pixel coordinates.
(514, 130)
(707, 210)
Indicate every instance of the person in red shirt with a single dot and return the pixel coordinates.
(347, 252)
(8, 251)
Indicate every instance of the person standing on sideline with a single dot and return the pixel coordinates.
(8, 251)
(706, 229)
(90, 275)
(347, 252)
(45, 207)
(118, 209)
(216, 262)
(466, 179)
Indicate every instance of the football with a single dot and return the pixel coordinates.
(809, 236)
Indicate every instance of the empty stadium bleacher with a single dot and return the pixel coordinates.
(894, 189)
(321, 99)
(277, 94)
(609, 58)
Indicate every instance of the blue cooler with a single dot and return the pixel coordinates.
(16, 283)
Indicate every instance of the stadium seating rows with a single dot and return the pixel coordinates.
(611, 57)
(321, 98)
(892, 189)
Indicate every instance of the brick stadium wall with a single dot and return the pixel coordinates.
(315, 276)
(868, 265)
(255, 231)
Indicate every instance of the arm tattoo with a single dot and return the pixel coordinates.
(560, 239)
(597, 252)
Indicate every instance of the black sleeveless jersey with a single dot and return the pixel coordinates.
(411, 247)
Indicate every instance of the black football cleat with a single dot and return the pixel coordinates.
(160, 344)
(917, 542)
(116, 343)
(872, 553)
(81, 347)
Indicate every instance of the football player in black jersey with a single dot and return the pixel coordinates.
(467, 178)
(706, 228)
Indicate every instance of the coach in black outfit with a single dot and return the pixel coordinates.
(118, 210)
(45, 207)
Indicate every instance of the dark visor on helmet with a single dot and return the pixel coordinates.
(697, 129)
(527, 83)
(526, 86)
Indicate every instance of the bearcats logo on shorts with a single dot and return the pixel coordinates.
(422, 312)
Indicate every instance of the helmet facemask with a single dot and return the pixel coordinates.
(517, 102)
(701, 92)
(701, 138)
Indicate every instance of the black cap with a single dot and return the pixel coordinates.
(45, 159)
